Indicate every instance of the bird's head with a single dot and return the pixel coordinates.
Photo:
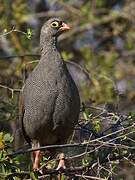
(54, 27)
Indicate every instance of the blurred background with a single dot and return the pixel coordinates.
(99, 50)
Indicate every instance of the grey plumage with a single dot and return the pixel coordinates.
(51, 101)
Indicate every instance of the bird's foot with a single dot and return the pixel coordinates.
(37, 169)
(61, 164)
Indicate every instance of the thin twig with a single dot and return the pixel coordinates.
(13, 30)
(73, 145)
(89, 177)
(10, 89)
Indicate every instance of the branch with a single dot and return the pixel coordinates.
(124, 55)
(89, 177)
(23, 55)
(66, 171)
(12, 30)
(21, 151)
(10, 89)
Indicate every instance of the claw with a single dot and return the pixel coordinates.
(61, 164)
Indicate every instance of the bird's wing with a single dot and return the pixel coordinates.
(20, 135)
(21, 115)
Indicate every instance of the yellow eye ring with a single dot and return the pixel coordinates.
(55, 24)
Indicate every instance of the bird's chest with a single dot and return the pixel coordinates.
(49, 86)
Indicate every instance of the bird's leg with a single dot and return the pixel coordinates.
(37, 157)
(61, 161)
(36, 160)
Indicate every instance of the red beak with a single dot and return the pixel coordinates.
(64, 27)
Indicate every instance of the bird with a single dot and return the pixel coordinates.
(49, 102)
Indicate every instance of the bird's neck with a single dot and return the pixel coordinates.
(48, 45)
(50, 56)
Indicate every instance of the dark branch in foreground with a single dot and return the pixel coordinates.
(21, 151)
(68, 171)
(20, 175)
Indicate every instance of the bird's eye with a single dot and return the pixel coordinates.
(55, 24)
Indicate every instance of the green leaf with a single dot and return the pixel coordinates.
(85, 116)
(8, 138)
(1, 140)
(29, 33)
